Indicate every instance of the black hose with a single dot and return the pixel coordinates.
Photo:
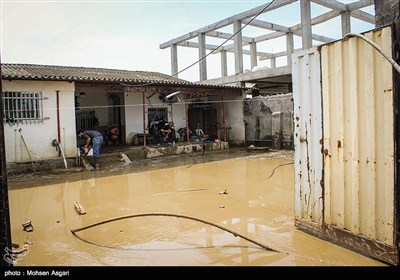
(280, 165)
(74, 231)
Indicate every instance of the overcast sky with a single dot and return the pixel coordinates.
(127, 34)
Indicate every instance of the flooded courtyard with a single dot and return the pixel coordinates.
(222, 209)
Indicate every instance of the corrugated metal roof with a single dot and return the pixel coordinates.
(83, 74)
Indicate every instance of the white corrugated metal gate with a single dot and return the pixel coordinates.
(344, 144)
(308, 136)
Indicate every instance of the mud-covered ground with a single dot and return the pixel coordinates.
(112, 164)
(231, 208)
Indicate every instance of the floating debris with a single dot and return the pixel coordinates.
(87, 165)
(125, 159)
(79, 208)
(224, 192)
(27, 226)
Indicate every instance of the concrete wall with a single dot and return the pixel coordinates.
(39, 135)
(269, 121)
(234, 120)
(387, 12)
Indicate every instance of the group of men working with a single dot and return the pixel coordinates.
(163, 131)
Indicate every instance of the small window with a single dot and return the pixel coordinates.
(157, 113)
(22, 106)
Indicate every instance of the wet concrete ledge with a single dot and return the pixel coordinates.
(113, 153)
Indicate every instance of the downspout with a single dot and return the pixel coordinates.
(144, 119)
(58, 117)
(60, 151)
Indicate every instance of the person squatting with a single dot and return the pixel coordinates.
(93, 139)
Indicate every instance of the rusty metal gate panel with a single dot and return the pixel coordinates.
(344, 145)
(307, 137)
(358, 116)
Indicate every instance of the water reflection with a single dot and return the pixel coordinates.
(254, 205)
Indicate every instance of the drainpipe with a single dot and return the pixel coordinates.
(58, 117)
(144, 119)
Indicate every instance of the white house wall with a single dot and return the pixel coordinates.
(39, 136)
(133, 115)
(178, 112)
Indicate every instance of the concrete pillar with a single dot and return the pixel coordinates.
(289, 47)
(346, 24)
(174, 60)
(273, 62)
(276, 130)
(287, 130)
(306, 28)
(388, 12)
(224, 64)
(238, 47)
(253, 54)
(202, 53)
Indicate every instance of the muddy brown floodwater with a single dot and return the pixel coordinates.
(219, 210)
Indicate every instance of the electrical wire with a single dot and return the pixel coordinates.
(375, 46)
(74, 231)
(212, 51)
(223, 43)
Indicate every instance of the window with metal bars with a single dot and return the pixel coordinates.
(155, 113)
(19, 107)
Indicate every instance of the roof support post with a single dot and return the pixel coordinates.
(202, 58)
(224, 64)
(306, 27)
(253, 54)
(174, 60)
(346, 26)
(273, 62)
(238, 47)
(289, 47)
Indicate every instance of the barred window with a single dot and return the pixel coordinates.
(157, 113)
(22, 106)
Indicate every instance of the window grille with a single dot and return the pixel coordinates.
(157, 114)
(85, 120)
(22, 106)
